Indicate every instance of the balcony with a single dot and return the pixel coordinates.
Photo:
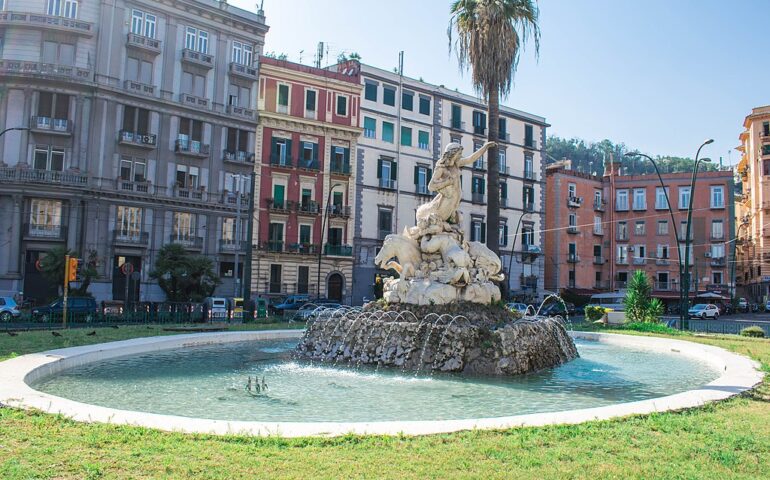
(54, 126)
(457, 124)
(388, 183)
(191, 148)
(242, 112)
(530, 143)
(231, 198)
(187, 241)
(717, 238)
(422, 190)
(131, 239)
(530, 175)
(718, 262)
(143, 43)
(308, 208)
(134, 139)
(139, 88)
(478, 198)
(503, 202)
(47, 22)
(601, 285)
(272, 246)
(620, 284)
(302, 249)
(528, 206)
(573, 258)
(640, 261)
(503, 169)
(598, 260)
(29, 175)
(280, 161)
(340, 168)
(197, 58)
(479, 130)
(600, 205)
(127, 185)
(238, 156)
(46, 70)
(573, 229)
(621, 261)
(621, 237)
(574, 202)
(661, 262)
(50, 232)
(663, 286)
(338, 250)
(193, 101)
(198, 194)
(308, 164)
(339, 211)
(281, 206)
(480, 165)
(229, 245)
(501, 135)
(244, 71)
(598, 231)
(528, 281)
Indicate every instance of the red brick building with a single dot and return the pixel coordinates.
(601, 229)
(306, 138)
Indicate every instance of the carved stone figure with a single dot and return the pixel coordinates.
(435, 263)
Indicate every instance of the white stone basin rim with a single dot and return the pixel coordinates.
(739, 374)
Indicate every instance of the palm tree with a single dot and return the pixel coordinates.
(490, 34)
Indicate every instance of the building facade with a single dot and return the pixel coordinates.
(602, 229)
(141, 122)
(753, 207)
(406, 124)
(308, 132)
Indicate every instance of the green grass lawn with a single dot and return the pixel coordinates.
(727, 440)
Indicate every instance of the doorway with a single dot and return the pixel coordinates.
(334, 287)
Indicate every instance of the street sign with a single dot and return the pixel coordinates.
(127, 268)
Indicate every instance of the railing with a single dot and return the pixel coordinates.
(506, 137)
(47, 232)
(130, 238)
(457, 124)
(308, 164)
(243, 70)
(340, 168)
(231, 245)
(621, 261)
(640, 261)
(387, 183)
(572, 229)
(240, 111)
(530, 175)
(479, 165)
(620, 284)
(528, 281)
(573, 258)
(191, 147)
(529, 206)
(478, 198)
(368, 133)
(276, 205)
(598, 231)
(601, 285)
(231, 198)
(133, 186)
(717, 237)
(29, 175)
(479, 130)
(39, 20)
(193, 101)
(23, 67)
(55, 125)
(272, 246)
(189, 193)
(138, 87)
(600, 205)
(198, 58)
(423, 146)
(718, 262)
(338, 210)
(661, 261)
(302, 248)
(338, 250)
(662, 286)
(503, 202)
(237, 156)
(621, 236)
(143, 42)
(503, 169)
(187, 241)
(310, 208)
(280, 161)
(574, 201)
(530, 143)
(126, 137)
(599, 260)
(421, 190)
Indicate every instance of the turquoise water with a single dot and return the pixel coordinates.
(209, 382)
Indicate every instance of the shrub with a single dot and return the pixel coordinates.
(640, 307)
(595, 312)
(753, 331)
(649, 328)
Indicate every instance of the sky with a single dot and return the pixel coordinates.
(660, 76)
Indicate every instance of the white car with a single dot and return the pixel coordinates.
(703, 310)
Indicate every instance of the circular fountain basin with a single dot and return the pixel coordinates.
(196, 383)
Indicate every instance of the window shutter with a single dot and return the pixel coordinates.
(393, 171)
(379, 168)
(430, 174)
(274, 147)
(288, 151)
(482, 186)
(346, 155)
(416, 173)
(315, 152)
(473, 233)
(483, 232)
(505, 234)
(503, 190)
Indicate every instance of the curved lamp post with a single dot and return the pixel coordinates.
(320, 247)
(513, 243)
(13, 128)
(734, 261)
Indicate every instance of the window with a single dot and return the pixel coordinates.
(136, 120)
(197, 40)
(194, 84)
(688, 251)
(718, 251)
(340, 161)
(370, 91)
(598, 225)
(280, 151)
(529, 136)
(501, 126)
(63, 8)
(662, 227)
(640, 200)
(387, 173)
(190, 135)
(622, 254)
(423, 139)
(283, 98)
(527, 238)
(385, 222)
(133, 169)
(303, 276)
(342, 105)
(370, 127)
(716, 277)
(61, 53)
(717, 197)
(183, 227)
(765, 129)
(275, 237)
(479, 122)
(237, 182)
(48, 158)
(229, 230)
(187, 177)
(275, 278)
(597, 198)
(641, 252)
(660, 198)
(621, 200)
(279, 195)
(572, 190)
(389, 96)
(457, 117)
(53, 109)
(683, 231)
(304, 234)
(387, 132)
(478, 188)
(639, 228)
(528, 196)
(717, 229)
(237, 143)
(422, 178)
(406, 136)
(242, 53)
(227, 269)
(684, 198)
(573, 220)
(407, 101)
(622, 231)
(142, 23)
(129, 222)
(139, 70)
(502, 232)
(310, 101)
(424, 105)
(478, 230)
(45, 217)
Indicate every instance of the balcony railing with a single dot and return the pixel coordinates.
(479, 165)
(574, 202)
(122, 237)
(601, 285)
(600, 205)
(598, 231)
(60, 126)
(127, 185)
(387, 183)
(621, 236)
(530, 143)
(621, 261)
(228, 245)
(29, 175)
(38, 20)
(187, 241)
(47, 232)
(49, 70)
(280, 161)
(718, 261)
(302, 248)
(126, 137)
(620, 284)
(663, 286)
(193, 101)
(503, 169)
(530, 175)
(421, 190)
(242, 112)
(457, 124)
(503, 202)
(717, 238)
(272, 245)
(197, 58)
(145, 43)
(573, 258)
(504, 136)
(572, 229)
(478, 198)
(479, 130)
(369, 133)
(599, 260)
(340, 168)
(339, 210)
(278, 205)
(190, 193)
(193, 148)
(308, 208)
(308, 164)
(640, 261)
(237, 156)
(529, 206)
(338, 250)
(231, 198)
(245, 71)
(661, 262)
(141, 88)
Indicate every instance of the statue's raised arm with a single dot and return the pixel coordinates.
(469, 160)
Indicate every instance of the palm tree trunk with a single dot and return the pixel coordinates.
(493, 187)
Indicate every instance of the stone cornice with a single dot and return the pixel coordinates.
(304, 125)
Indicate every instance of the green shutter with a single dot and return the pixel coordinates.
(370, 124)
(315, 152)
(483, 232)
(416, 174)
(503, 190)
(274, 147)
(278, 194)
(505, 234)
(346, 155)
(406, 136)
(379, 168)
(430, 174)
(482, 184)
(289, 155)
(393, 171)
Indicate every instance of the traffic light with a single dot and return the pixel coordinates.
(71, 271)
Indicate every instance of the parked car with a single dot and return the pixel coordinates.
(216, 309)
(81, 307)
(8, 309)
(704, 310)
(309, 310)
(743, 305)
(553, 309)
(518, 307)
(292, 302)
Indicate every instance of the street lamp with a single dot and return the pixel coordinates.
(13, 128)
(320, 246)
(513, 244)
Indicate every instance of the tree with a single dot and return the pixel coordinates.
(182, 276)
(640, 306)
(490, 35)
(52, 268)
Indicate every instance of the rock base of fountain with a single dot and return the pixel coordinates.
(481, 341)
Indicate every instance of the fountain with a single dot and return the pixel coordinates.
(442, 313)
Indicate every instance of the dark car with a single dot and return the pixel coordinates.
(81, 308)
(553, 309)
